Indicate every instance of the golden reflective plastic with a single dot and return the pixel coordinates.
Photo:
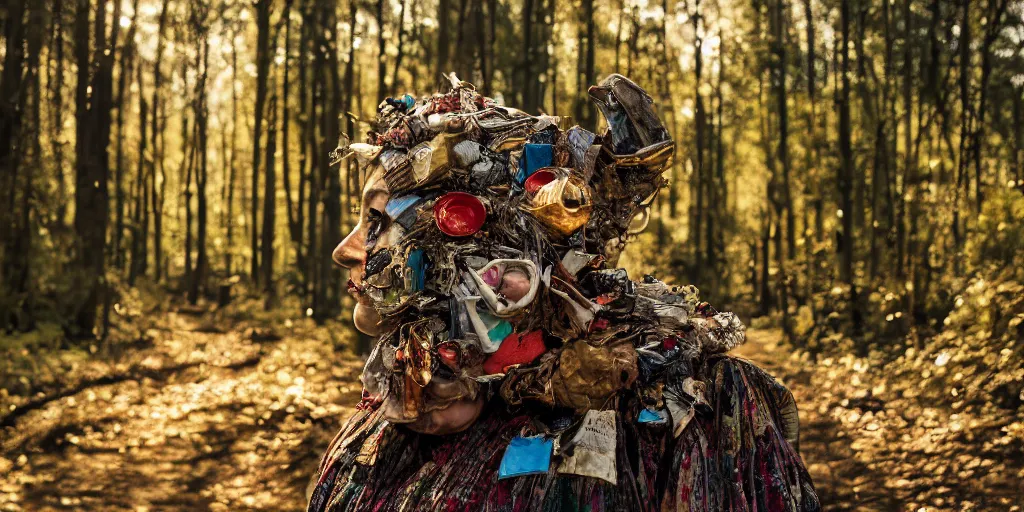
(563, 203)
(656, 157)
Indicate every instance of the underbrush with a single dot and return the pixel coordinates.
(938, 402)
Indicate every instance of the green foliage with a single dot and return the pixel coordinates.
(998, 239)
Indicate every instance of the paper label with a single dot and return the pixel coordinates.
(593, 448)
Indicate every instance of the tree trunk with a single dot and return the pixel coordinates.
(589, 77)
(997, 8)
(93, 138)
(140, 230)
(699, 125)
(57, 107)
(845, 178)
(190, 274)
(294, 227)
(269, 207)
(262, 70)
(527, 56)
(765, 301)
(382, 55)
(327, 303)
(157, 149)
(127, 58)
(463, 62)
(480, 36)
(443, 41)
(965, 114)
(780, 41)
(228, 267)
(202, 171)
(395, 84)
(11, 93)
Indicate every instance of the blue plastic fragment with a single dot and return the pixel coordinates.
(405, 102)
(529, 455)
(417, 262)
(402, 209)
(534, 157)
(499, 332)
(649, 416)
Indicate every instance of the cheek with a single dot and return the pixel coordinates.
(390, 236)
(366, 320)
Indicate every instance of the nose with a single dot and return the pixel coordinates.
(351, 252)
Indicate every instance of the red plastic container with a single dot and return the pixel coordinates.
(459, 214)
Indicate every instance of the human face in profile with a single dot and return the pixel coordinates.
(351, 254)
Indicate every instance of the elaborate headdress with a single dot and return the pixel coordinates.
(501, 228)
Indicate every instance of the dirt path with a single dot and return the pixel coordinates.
(843, 483)
(197, 421)
(207, 417)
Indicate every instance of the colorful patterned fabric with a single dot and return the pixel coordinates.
(738, 453)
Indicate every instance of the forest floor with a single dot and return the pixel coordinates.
(230, 411)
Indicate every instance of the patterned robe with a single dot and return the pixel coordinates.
(739, 452)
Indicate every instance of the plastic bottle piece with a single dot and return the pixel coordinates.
(538, 179)
(500, 331)
(580, 141)
(530, 455)
(574, 261)
(593, 452)
(467, 153)
(563, 204)
(497, 305)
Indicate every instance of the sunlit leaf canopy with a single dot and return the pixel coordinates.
(753, 91)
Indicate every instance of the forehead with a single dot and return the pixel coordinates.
(375, 184)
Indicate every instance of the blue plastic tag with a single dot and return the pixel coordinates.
(416, 261)
(534, 157)
(649, 416)
(526, 456)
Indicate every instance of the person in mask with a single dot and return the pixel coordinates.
(515, 366)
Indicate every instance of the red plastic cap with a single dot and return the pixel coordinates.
(537, 180)
(459, 214)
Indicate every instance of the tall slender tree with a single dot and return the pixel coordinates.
(263, 57)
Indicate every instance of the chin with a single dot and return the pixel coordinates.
(451, 420)
(366, 320)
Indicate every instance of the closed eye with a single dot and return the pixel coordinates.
(376, 223)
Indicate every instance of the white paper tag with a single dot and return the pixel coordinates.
(593, 451)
